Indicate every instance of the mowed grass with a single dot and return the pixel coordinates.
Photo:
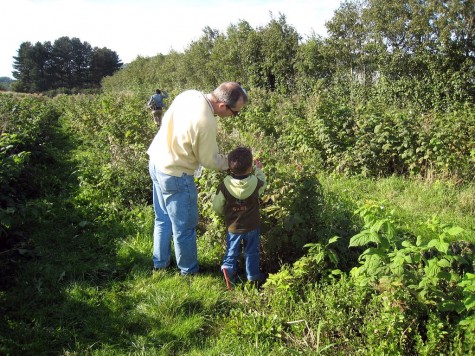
(414, 201)
(88, 293)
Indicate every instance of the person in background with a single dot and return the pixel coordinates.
(237, 199)
(185, 141)
(156, 104)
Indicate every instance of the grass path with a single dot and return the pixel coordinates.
(84, 287)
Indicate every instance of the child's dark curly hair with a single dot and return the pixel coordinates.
(239, 160)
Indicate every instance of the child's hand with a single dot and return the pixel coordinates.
(258, 164)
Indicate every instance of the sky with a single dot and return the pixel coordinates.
(145, 28)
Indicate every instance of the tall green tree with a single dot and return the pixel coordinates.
(280, 43)
(230, 53)
(104, 62)
(428, 48)
(32, 67)
(311, 65)
(197, 68)
(346, 40)
(63, 63)
(82, 57)
(67, 63)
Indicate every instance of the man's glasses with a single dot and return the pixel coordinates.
(235, 113)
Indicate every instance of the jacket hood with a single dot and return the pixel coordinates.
(241, 188)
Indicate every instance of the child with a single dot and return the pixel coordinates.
(237, 199)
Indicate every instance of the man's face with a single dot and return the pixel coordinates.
(227, 111)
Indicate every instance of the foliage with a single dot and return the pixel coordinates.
(426, 267)
(262, 58)
(388, 100)
(372, 140)
(67, 63)
(468, 285)
(115, 135)
(424, 51)
(399, 54)
(24, 148)
(310, 303)
(319, 262)
(398, 99)
(411, 291)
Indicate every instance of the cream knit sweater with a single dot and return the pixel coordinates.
(187, 137)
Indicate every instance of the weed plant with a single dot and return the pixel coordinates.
(79, 282)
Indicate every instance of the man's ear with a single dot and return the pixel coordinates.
(222, 106)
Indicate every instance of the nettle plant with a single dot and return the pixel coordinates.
(319, 262)
(468, 285)
(429, 266)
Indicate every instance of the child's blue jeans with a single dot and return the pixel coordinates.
(251, 241)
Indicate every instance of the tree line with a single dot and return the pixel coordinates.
(408, 52)
(66, 64)
(403, 53)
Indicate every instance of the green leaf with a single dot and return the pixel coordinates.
(468, 282)
(363, 238)
(444, 275)
(417, 258)
(397, 269)
(468, 321)
(432, 269)
(439, 245)
(333, 256)
(378, 225)
(419, 241)
(469, 302)
(318, 258)
(460, 260)
(309, 245)
(454, 277)
(449, 305)
(397, 265)
(333, 239)
(84, 223)
(372, 263)
(454, 231)
(372, 251)
(406, 243)
(391, 230)
(374, 237)
(384, 242)
(444, 263)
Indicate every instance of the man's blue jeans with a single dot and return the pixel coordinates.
(251, 242)
(175, 201)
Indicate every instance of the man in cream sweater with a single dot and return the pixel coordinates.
(186, 140)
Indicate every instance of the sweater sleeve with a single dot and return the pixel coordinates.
(218, 203)
(206, 149)
(262, 177)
